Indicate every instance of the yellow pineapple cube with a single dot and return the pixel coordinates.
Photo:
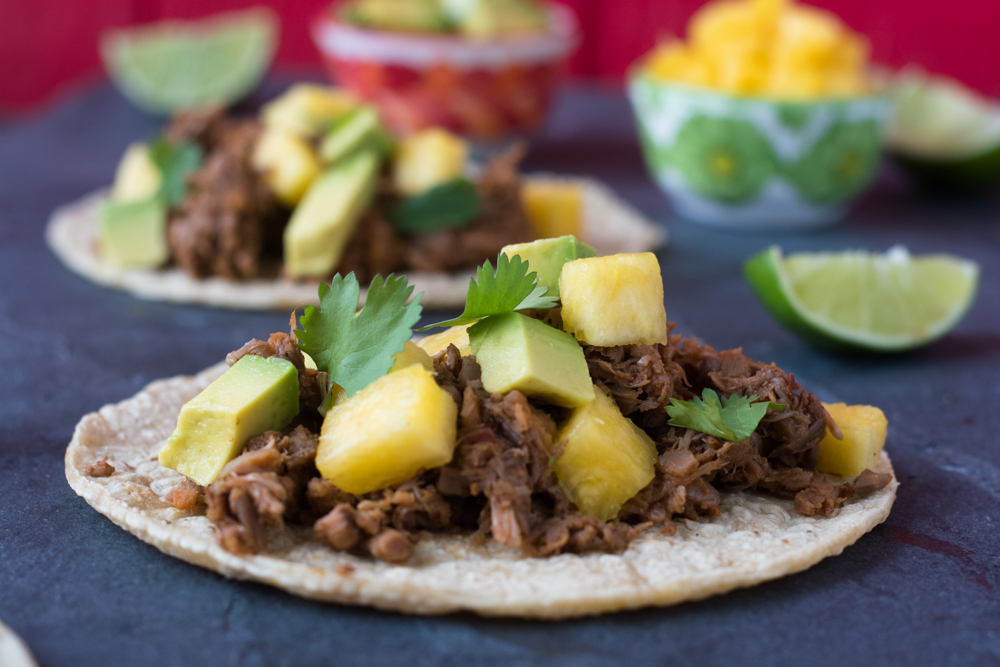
(137, 177)
(427, 159)
(384, 434)
(864, 428)
(411, 354)
(553, 207)
(607, 459)
(457, 336)
(307, 109)
(614, 300)
(289, 164)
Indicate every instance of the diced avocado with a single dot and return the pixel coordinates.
(490, 18)
(359, 130)
(404, 15)
(307, 109)
(411, 355)
(546, 257)
(134, 233)
(427, 159)
(325, 219)
(288, 163)
(256, 395)
(518, 352)
(137, 177)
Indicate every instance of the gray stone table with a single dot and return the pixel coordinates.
(921, 589)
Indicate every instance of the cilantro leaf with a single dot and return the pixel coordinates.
(734, 418)
(511, 288)
(175, 162)
(448, 205)
(357, 349)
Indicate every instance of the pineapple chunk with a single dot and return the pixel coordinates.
(137, 177)
(399, 424)
(427, 159)
(614, 300)
(289, 164)
(412, 354)
(864, 428)
(607, 458)
(307, 110)
(457, 336)
(554, 208)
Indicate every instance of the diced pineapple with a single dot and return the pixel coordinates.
(412, 354)
(614, 300)
(864, 428)
(607, 458)
(289, 164)
(429, 158)
(387, 432)
(457, 336)
(307, 109)
(137, 177)
(554, 208)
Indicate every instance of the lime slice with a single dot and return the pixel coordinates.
(947, 135)
(862, 300)
(173, 65)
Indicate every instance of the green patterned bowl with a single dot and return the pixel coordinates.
(755, 163)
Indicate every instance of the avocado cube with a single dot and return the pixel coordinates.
(490, 18)
(359, 130)
(327, 216)
(256, 395)
(518, 352)
(606, 460)
(384, 434)
(546, 257)
(134, 233)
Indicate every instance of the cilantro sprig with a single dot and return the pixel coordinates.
(357, 349)
(510, 288)
(448, 205)
(175, 162)
(734, 418)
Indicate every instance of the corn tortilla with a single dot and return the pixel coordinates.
(609, 224)
(755, 539)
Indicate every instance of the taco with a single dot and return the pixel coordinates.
(253, 212)
(558, 451)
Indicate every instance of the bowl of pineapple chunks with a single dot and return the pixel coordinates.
(765, 117)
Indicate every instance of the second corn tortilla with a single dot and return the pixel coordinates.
(755, 539)
(609, 224)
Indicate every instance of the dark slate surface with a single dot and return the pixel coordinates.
(921, 589)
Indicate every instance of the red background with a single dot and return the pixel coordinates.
(48, 45)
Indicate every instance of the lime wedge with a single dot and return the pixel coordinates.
(861, 300)
(173, 65)
(946, 135)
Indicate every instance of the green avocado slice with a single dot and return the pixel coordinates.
(518, 352)
(546, 257)
(134, 233)
(325, 219)
(256, 395)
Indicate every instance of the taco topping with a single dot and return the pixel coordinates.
(517, 430)
(312, 187)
